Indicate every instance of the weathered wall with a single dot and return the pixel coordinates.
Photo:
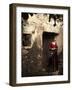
(34, 57)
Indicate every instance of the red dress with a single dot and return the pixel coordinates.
(54, 58)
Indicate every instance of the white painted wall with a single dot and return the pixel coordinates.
(4, 45)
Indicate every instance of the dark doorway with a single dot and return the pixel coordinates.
(50, 54)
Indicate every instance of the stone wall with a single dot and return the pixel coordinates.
(34, 56)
